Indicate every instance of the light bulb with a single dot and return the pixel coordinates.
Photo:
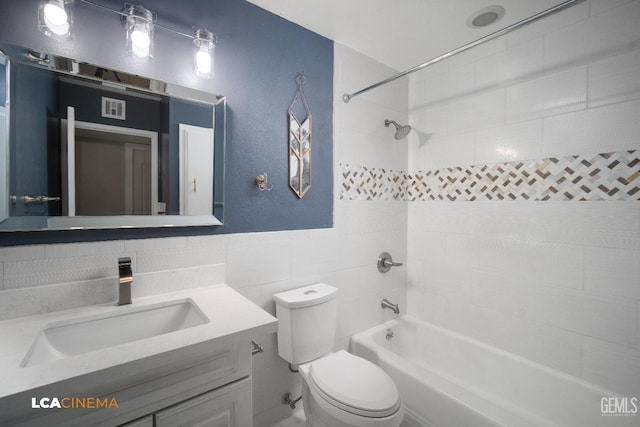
(203, 60)
(55, 13)
(205, 44)
(56, 18)
(140, 41)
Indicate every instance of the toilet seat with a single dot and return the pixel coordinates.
(354, 385)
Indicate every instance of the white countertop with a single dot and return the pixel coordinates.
(228, 313)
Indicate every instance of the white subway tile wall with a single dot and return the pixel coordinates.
(602, 33)
(508, 142)
(36, 279)
(614, 79)
(507, 65)
(596, 130)
(557, 282)
(547, 95)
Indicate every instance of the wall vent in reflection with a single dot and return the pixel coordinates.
(113, 108)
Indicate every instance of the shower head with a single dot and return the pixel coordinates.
(401, 131)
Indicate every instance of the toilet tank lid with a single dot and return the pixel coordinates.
(306, 296)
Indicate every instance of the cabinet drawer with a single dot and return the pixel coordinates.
(228, 406)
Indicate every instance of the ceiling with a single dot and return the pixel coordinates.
(400, 33)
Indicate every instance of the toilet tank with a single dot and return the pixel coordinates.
(306, 322)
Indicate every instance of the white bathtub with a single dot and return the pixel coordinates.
(447, 379)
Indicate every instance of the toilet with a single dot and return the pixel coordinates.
(339, 389)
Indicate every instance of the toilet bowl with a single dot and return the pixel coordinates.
(339, 389)
(343, 390)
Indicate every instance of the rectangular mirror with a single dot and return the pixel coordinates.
(82, 146)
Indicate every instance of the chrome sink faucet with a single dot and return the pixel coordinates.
(388, 304)
(125, 279)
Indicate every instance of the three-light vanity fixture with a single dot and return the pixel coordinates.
(55, 19)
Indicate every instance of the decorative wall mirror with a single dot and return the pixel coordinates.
(86, 147)
(300, 141)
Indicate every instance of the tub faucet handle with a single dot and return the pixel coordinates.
(385, 262)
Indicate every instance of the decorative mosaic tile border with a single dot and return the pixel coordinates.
(607, 176)
(363, 183)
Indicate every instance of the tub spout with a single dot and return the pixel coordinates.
(388, 304)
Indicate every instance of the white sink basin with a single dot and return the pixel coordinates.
(62, 339)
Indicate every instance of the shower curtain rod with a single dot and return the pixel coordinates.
(347, 96)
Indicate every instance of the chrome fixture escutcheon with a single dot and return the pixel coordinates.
(385, 262)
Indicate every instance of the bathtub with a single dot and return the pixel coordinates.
(447, 379)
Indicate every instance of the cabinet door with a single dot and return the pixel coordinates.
(142, 422)
(228, 406)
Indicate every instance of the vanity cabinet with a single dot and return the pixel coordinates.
(199, 375)
(203, 385)
(216, 392)
(228, 406)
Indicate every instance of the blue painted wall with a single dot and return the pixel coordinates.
(34, 136)
(141, 113)
(257, 59)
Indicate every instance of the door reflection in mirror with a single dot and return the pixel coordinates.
(196, 170)
(115, 171)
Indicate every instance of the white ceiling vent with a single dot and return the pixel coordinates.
(114, 108)
(486, 16)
